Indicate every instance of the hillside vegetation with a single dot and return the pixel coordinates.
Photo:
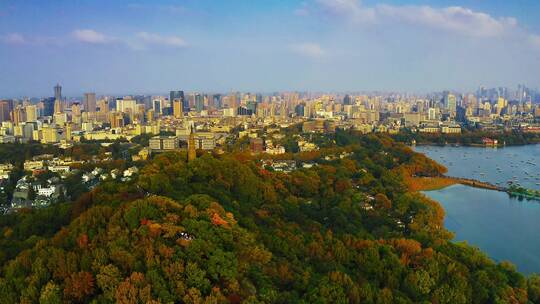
(226, 229)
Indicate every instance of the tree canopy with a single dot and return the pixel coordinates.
(223, 229)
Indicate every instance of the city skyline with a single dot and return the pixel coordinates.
(269, 151)
(503, 91)
(143, 47)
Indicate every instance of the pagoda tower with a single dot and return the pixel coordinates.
(192, 153)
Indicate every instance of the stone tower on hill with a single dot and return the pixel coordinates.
(192, 153)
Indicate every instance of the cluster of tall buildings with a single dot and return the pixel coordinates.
(57, 118)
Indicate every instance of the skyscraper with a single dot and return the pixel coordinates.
(501, 104)
(76, 109)
(58, 103)
(176, 95)
(432, 114)
(157, 106)
(6, 106)
(58, 92)
(89, 102)
(450, 101)
(58, 106)
(125, 105)
(217, 101)
(103, 106)
(177, 108)
(299, 110)
(48, 106)
(18, 115)
(252, 106)
(179, 95)
(31, 113)
(347, 100)
(69, 128)
(233, 100)
(199, 102)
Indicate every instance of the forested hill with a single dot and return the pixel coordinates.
(227, 229)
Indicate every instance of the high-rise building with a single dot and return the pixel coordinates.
(283, 112)
(347, 100)
(58, 92)
(28, 129)
(217, 101)
(299, 110)
(243, 111)
(50, 135)
(48, 106)
(126, 105)
(176, 95)
(60, 118)
(252, 106)
(501, 104)
(450, 102)
(233, 100)
(199, 102)
(103, 106)
(19, 115)
(157, 106)
(58, 102)
(31, 113)
(89, 102)
(6, 106)
(432, 114)
(210, 101)
(116, 119)
(177, 108)
(58, 106)
(76, 109)
(150, 116)
(69, 129)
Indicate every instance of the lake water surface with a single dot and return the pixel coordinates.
(519, 164)
(503, 227)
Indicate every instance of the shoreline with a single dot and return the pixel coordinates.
(428, 144)
(441, 182)
(426, 184)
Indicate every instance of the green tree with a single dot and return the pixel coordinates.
(50, 294)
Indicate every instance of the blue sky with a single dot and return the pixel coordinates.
(128, 47)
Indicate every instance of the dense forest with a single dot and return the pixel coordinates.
(225, 229)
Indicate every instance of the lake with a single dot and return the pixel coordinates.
(519, 164)
(503, 227)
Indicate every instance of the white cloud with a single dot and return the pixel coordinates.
(353, 10)
(91, 36)
(308, 49)
(19, 39)
(157, 39)
(13, 38)
(453, 19)
(140, 41)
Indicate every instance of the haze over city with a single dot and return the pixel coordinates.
(148, 47)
